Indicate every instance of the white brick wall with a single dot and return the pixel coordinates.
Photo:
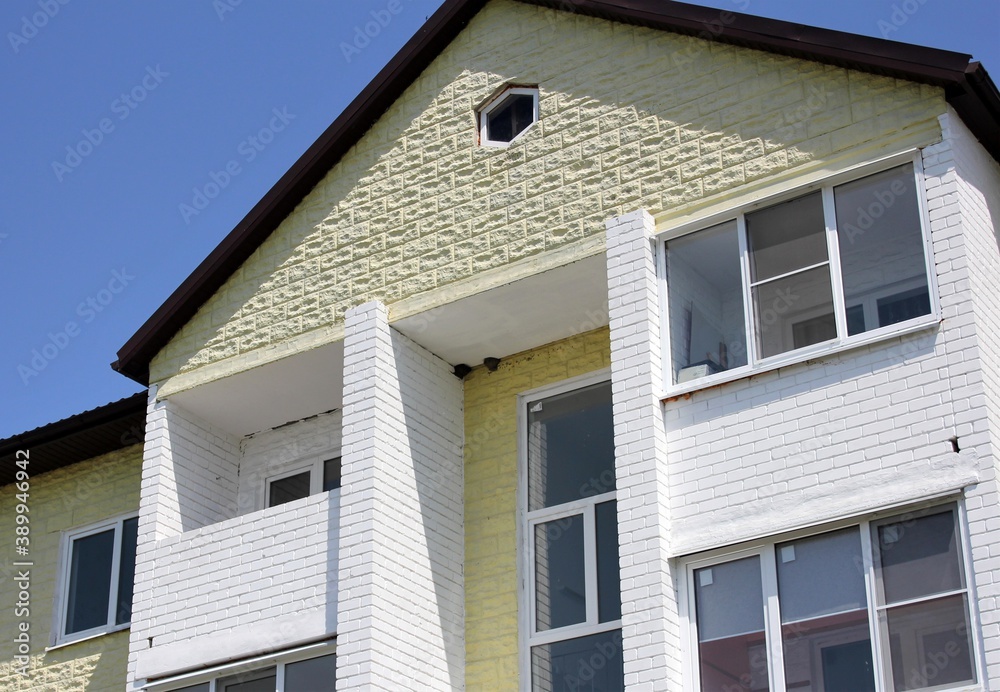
(971, 183)
(401, 605)
(650, 632)
(289, 447)
(222, 591)
(189, 480)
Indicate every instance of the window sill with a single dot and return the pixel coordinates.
(798, 356)
(86, 638)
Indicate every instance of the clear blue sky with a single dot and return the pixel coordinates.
(152, 98)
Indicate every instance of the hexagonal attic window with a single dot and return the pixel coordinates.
(508, 116)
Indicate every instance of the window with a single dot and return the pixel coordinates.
(836, 266)
(573, 630)
(879, 606)
(508, 116)
(297, 671)
(98, 574)
(319, 477)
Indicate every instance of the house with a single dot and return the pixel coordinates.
(597, 345)
(66, 578)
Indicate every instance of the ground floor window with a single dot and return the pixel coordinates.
(310, 669)
(881, 605)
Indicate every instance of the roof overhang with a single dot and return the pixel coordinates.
(968, 88)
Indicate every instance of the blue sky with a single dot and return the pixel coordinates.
(117, 111)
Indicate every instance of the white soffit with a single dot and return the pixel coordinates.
(516, 317)
(280, 392)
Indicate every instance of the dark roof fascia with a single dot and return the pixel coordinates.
(968, 89)
(83, 436)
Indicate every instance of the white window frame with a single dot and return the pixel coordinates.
(63, 582)
(216, 673)
(313, 465)
(494, 103)
(528, 636)
(765, 549)
(826, 185)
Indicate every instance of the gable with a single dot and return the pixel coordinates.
(417, 212)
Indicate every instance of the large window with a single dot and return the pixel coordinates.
(880, 606)
(98, 576)
(571, 529)
(320, 476)
(830, 267)
(310, 669)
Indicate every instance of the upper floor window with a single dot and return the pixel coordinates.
(508, 116)
(571, 529)
(831, 267)
(879, 606)
(98, 577)
(320, 476)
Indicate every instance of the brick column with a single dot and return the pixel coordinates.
(650, 628)
(400, 610)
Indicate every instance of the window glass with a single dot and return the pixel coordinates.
(931, 643)
(786, 237)
(203, 687)
(609, 591)
(313, 675)
(586, 663)
(254, 681)
(794, 311)
(511, 117)
(126, 570)
(560, 586)
(705, 291)
(331, 474)
(90, 581)
(882, 248)
(824, 611)
(918, 556)
(289, 488)
(730, 608)
(571, 447)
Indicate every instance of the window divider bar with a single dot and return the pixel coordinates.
(882, 607)
(833, 253)
(116, 559)
(874, 630)
(590, 563)
(749, 323)
(772, 618)
(801, 270)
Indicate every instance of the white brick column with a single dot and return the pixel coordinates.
(400, 611)
(650, 631)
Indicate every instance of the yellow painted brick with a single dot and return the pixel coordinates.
(60, 500)
(491, 473)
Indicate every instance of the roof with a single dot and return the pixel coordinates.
(86, 435)
(968, 88)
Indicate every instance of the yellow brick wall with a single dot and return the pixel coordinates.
(81, 494)
(491, 473)
(630, 118)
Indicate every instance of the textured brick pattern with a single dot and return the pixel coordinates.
(417, 205)
(400, 620)
(650, 631)
(81, 494)
(491, 473)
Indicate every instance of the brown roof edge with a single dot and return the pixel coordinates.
(82, 436)
(968, 88)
